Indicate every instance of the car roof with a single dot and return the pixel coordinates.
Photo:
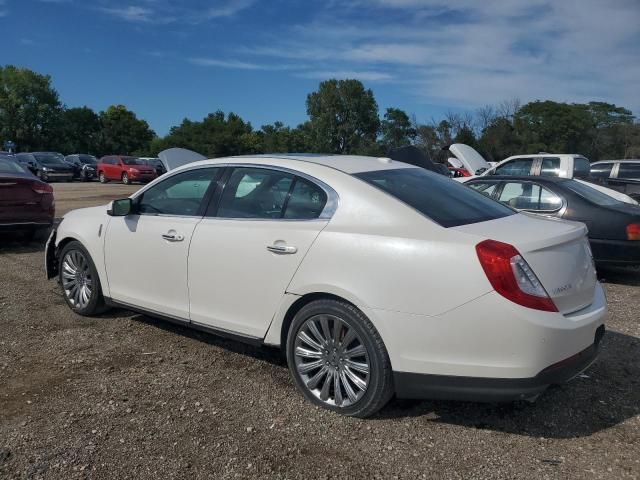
(626, 160)
(349, 164)
(519, 178)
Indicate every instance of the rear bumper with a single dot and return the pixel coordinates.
(478, 389)
(14, 226)
(616, 252)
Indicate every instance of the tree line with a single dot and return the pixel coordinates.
(343, 118)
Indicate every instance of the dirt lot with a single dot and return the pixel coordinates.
(126, 396)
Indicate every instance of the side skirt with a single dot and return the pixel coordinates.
(254, 341)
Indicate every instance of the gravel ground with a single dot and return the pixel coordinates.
(127, 396)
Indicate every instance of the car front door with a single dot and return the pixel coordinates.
(246, 250)
(146, 252)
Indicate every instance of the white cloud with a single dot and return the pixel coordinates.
(466, 53)
(131, 13)
(233, 64)
(367, 76)
(228, 9)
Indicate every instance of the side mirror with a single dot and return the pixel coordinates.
(120, 208)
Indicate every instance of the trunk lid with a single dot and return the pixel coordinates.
(18, 201)
(557, 251)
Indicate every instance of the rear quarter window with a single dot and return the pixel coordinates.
(437, 197)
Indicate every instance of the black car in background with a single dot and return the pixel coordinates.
(155, 163)
(47, 166)
(84, 166)
(620, 175)
(614, 226)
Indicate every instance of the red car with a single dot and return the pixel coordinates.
(125, 169)
(26, 202)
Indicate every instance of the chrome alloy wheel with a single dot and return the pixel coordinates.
(332, 360)
(76, 279)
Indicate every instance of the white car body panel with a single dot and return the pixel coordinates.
(420, 284)
(469, 157)
(146, 270)
(220, 300)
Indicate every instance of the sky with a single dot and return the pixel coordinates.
(169, 60)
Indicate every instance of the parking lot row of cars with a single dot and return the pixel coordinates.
(53, 166)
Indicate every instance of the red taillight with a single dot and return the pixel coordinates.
(633, 231)
(511, 276)
(41, 188)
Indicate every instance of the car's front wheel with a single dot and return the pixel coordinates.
(338, 360)
(79, 280)
(125, 178)
(102, 178)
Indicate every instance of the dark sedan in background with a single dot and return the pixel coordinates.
(614, 226)
(26, 203)
(84, 166)
(47, 166)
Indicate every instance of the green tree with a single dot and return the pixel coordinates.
(29, 108)
(80, 130)
(397, 130)
(343, 117)
(553, 127)
(216, 135)
(123, 132)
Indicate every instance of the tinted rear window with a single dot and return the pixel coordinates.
(591, 194)
(441, 199)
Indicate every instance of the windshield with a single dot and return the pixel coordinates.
(50, 158)
(132, 161)
(443, 200)
(9, 166)
(87, 159)
(591, 194)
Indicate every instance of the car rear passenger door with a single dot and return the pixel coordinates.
(531, 197)
(246, 250)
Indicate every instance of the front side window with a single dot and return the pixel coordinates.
(255, 193)
(581, 167)
(437, 197)
(486, 189)
(529, 196)
(629, 170)
(181, 194)
(550, 167)
(517, 166)
(601, 170)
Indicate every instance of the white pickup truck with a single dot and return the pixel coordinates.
(543, 164)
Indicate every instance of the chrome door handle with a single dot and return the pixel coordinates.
(282, 249)
(172, 238)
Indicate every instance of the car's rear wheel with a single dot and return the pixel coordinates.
(125, 178)
(102, 178)
(338, 360)
(79, 280)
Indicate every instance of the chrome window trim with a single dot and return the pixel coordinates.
(327, 213)
(562, 206)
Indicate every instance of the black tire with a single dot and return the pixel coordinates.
(380, 381)
(125, 178)
(102, 178)
(96, 304)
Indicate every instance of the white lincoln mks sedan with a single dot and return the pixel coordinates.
(375, 277)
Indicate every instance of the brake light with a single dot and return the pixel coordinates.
(41, 188)
(633, 231)
(511, 276)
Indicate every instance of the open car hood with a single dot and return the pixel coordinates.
(173, 158)
(470, 158)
